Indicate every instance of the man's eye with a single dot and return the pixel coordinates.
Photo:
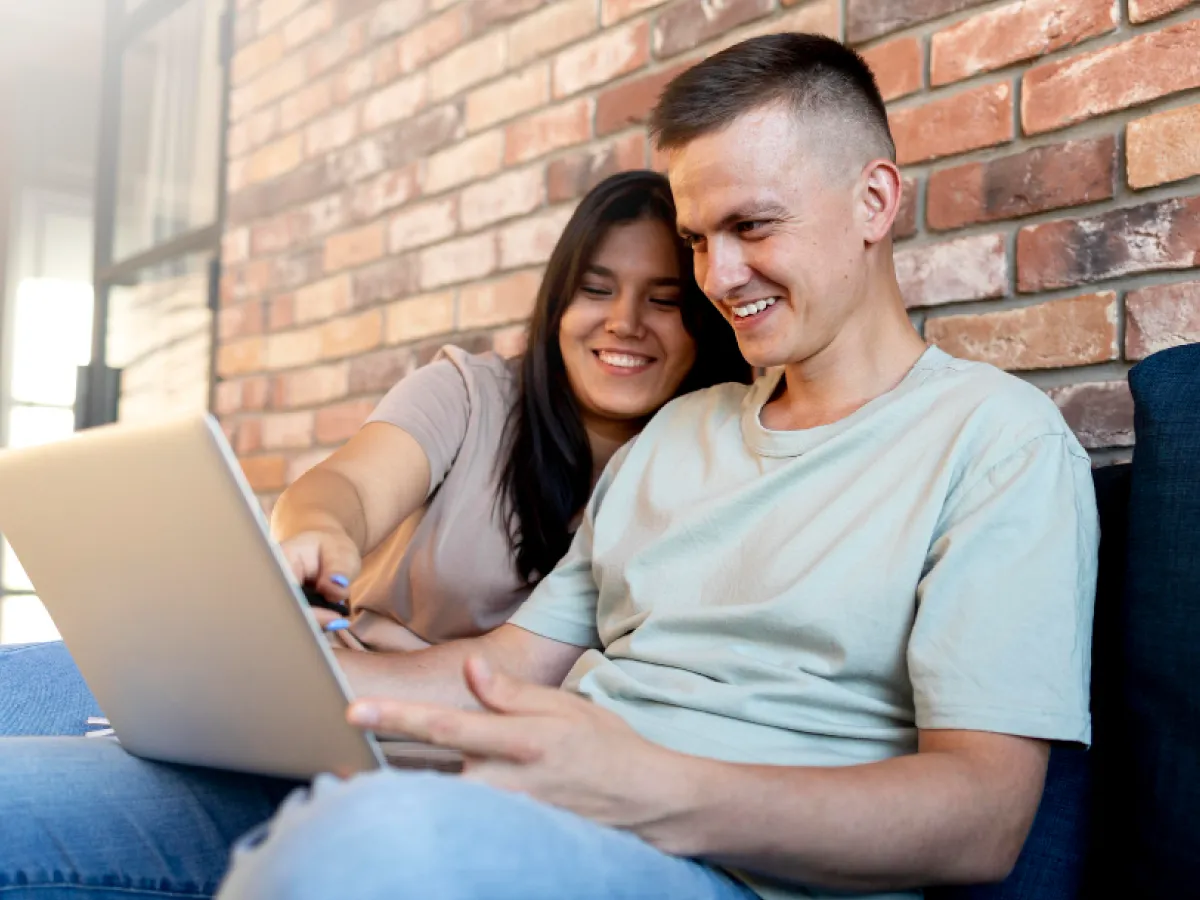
(751, 226)
(693, 240)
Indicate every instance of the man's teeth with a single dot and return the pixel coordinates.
(756, 306)
(623, 360)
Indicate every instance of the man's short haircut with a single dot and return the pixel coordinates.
(812, 73)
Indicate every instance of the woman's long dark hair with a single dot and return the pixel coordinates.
(546, 472)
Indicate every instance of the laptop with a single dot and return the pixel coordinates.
(154, 559)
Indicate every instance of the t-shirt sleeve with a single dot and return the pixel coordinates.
(433, 404)
(1002, 638)
(563, 605)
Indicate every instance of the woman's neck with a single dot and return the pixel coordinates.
(605, 437)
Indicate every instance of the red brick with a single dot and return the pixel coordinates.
(511, 194)
(905, 225)
(970, 268)
(396, 276)
(1163, 147)
(285, 77)
(427, 133)
(243, 320)
(474, 158)
(1148, 10)
(1100, 413)
(247, 436)
(273, 12)
(377, 372)
(270, 236)
(322, 300)
(689, 23)
(430, 40)
(1161, 316)
(1137, 71)
(399, 100)
(1076, 331)
(511, 342)
(341, 422)
(282, 312)
(353, 248)
(291, 349)
(227, 397)
(255, 392)
(552, 129)
(256, 57)
(496, 302)
(1017, 31)
(630, 103)
(425, 223)
(240, 357)
(275, 159)
(419, 317)
(315, 20)
(387, 191)
(468, 65)
(576, 174)
(287, 431)
(336, 130)
(814, 17)
(558, 24)
(483, 15)
(333, 49)
(356, 162)
(614, 53)
(1146, 238)
(866, 19)
(305, 105)
(1037, 180)
(613, 11)
(897, 66)
(356, 76)
(313, 386)
(979, 117)
(351, 335)
(457, 261)
(265, 473)
(389, 17)
(508, 97)
(530, 241)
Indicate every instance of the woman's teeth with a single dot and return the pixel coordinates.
(623, 360)
(753, 307)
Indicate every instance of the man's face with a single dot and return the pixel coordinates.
(774, 221)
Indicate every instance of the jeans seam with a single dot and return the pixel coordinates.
(115, 889)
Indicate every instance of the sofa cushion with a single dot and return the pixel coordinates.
(1161, 626)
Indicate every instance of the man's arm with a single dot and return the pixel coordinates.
(435, 674)
(958, 811)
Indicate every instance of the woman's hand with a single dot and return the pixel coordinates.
(328, 560)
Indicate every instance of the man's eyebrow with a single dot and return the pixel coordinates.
(745, 214)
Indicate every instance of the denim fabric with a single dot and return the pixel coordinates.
(1162, 626)
(42, 692)
(399, 835)
(80, 817)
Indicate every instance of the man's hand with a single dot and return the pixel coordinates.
(549, 744)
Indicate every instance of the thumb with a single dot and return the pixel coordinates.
(502, 693)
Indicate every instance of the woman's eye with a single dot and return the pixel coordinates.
(672, 302)
(595, 291)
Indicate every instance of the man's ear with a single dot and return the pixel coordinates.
(879, 199)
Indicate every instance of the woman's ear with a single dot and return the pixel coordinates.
(879, 199)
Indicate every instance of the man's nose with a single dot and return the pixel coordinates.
(722, 270)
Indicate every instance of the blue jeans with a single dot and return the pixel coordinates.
(42, 692)
(401, 835)
(81, 817)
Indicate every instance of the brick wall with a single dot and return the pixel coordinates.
(400, 169)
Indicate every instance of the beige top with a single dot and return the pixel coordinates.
(447, 571)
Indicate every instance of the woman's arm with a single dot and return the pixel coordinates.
(343, 507)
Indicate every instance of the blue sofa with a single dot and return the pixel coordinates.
(1123, 819)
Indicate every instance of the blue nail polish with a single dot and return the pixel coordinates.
(340, 580)
(338, 625)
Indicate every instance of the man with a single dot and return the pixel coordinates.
(816, 634)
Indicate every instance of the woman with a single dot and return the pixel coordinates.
(463, 487)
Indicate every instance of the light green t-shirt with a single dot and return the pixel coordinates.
(813, 597)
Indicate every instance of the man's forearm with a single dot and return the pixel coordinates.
(922, 819)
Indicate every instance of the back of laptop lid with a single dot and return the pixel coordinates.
(153, 559)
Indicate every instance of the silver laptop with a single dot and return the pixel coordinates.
(154, 560)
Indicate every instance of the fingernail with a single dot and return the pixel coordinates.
(363, 714)
(340, 580)
(338, 625)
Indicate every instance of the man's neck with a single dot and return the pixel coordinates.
(865, 360)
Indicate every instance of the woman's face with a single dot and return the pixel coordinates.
(622, 337)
